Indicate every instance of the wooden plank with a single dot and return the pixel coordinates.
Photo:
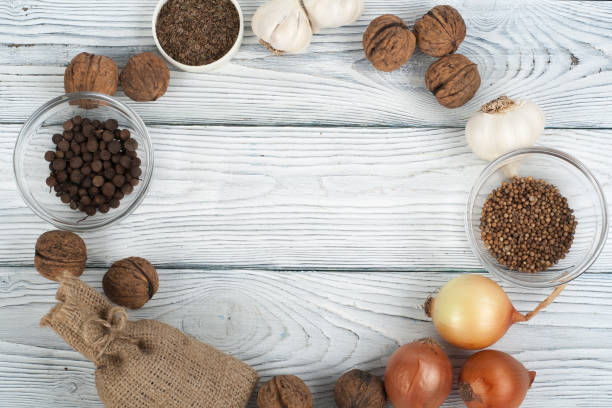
(557, 53)
(297, 198)
(341, 321)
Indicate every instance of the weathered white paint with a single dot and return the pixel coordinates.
(340, 198)
(316, 325)
(557, 53)
(262, 218)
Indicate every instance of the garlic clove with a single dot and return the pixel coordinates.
(503, 125)
(282, 26)
(332, 13)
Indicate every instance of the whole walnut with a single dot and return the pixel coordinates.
(131, 282)
(60, 251)
(284, 391)
(388, 43)
(91, 73)
(453, 79)
(359, 389)
(440, 31)
(145, 77)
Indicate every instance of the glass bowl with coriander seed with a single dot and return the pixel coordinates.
(83, 161)
(536, 217)
(198, 35)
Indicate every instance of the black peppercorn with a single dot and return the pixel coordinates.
(111, 124)
(92, 144)
(114, 146)
(59, 164)
(63, 145)
(108, 136)
(76, 162)
(93, 164)
(130, 145)
(68, 125)
(135, 172)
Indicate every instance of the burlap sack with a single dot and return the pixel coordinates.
(146, 363)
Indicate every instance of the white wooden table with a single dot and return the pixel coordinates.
(305, 206)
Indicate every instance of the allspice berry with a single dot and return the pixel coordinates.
(145, 77)
(388, 43)
(91, 73)
(453, 79)
(131, 282)
(284, 391)
(57, 252)
(440, 31)
(359, 389)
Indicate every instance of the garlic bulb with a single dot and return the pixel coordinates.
(332, 13)
(282, 26)
(503, 125)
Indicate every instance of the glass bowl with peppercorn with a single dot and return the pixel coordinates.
(536, 217)
(83, 161)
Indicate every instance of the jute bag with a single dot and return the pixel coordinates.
(145, 363)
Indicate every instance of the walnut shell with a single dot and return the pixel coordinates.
(145, 77)
(440, 31)
(131, 282)
(388, 42)
(453, 79)
(91, 73)
(284, 391)
(60, 251)
(359, 389)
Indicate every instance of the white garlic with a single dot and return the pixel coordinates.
(503, 125)
(332, 13)
(282, 26)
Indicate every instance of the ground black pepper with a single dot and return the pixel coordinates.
(527, 225)
(197, 32)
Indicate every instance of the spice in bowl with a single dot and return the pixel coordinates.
(94, 164)
(197, 32)
(527, 225)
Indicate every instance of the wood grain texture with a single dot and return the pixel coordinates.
(557, 53)
(239, 217)
(297, 198)
(315, 325)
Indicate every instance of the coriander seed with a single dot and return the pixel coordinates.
(527, 225)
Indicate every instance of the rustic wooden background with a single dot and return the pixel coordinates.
(305, 206)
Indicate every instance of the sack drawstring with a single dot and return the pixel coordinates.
(112, 328)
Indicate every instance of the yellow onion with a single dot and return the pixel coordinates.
(473, 312)
(492, 379)
(418, 374)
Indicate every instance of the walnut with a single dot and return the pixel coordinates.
(91, 73)
(131, 282)
(440, 31)
(388, 43)
(145, 77)
(284, 391)
(59, 251)
(359, 389)
(453, 79)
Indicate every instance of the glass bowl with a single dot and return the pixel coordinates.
(31, 169)
(584, 196)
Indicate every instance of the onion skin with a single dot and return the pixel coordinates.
(492, 379)
(418, 375)
(472, 312)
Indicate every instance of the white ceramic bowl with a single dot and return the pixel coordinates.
(200, 68)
